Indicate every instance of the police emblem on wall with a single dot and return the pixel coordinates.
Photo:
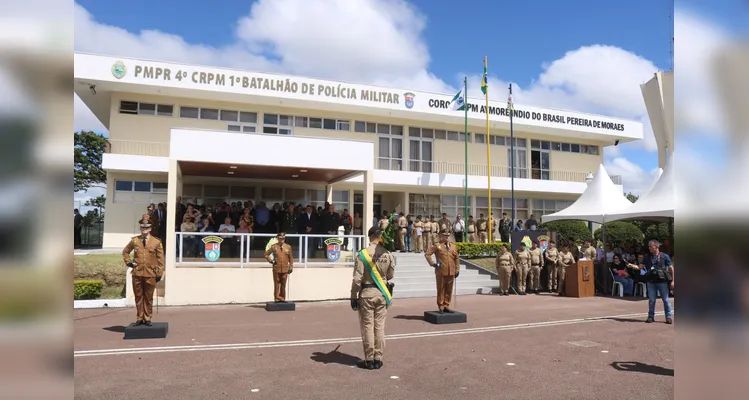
(212, 247)
(409, 99)
(333, 249)
(119, 70)
(543, 242)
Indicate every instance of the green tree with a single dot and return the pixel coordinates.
(93, 217)
(97, 202)
(576, 231)
(659, 232)
(632, 197)
(621, 233)
(88, 150)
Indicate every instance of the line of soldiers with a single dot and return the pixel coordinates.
(426, 231)
(527, 264)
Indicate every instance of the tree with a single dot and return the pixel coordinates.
(97, 202)
(632, 197)
(659, 232)
(576, 231)
(88, 150)
(92, 217)
(621, 233)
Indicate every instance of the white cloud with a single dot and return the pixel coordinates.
(636, 179)
(80, 198)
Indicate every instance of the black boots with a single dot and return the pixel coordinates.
(369, 364)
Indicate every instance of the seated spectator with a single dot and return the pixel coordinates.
(230, 242)
(622, 275)
(189, 241)
(243, 227)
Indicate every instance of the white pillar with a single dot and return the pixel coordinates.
(329, 193)
(368, 207)
(174, 184)
(404, 204)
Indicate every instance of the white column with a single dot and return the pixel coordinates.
(472, 209)
(368, 207)
(351, 203)
(404, 204)
(329, 193)
(174, 184)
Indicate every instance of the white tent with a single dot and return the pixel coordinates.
(658, 203)
(600, 198)
(658, 174)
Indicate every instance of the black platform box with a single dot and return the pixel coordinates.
(455, 317)
(279, 306)
(157, 330)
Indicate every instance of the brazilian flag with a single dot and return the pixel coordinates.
(388, 237)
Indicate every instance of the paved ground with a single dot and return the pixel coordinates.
(531, 347)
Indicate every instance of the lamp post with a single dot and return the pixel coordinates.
(589, 179)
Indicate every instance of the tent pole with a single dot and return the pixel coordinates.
(605, 266)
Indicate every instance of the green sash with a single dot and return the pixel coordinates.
(376, 277)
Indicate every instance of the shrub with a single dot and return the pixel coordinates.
(576, 231)
(87, 289)
(621, 233)
(476, 250)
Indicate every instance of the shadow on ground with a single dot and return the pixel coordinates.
(410, 317)
(334, 357)
(115, 328)
(634, 366)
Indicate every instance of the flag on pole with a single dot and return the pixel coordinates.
(484, 81)
(510, 104)
(458, 103)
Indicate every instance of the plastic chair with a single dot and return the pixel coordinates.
(613, 287)
(643, 289)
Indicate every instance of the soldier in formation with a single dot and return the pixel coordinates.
(552, 262)
(426, 233)
(565, 260)
(472, 237)
(446, 269)
(536, 263)
(435, 232)
(504, 263)
(522, 266)
(283, 265)
(370, 296)
(402, 231)
(482, 225)
(417, 232)
(148, 268)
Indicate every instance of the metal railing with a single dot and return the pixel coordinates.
(202, 249)
(138, 148)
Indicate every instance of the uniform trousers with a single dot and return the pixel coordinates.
(372, 313)
(426, 238)
(483, 237)
(279, 285)
(505, 274)
(472, 237)
(535, 277)
(561, 274)
(143, 288)
(444, 290)
(553, 277)
(522, 272)
(419, 243)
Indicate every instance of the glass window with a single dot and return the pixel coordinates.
(249, 117)
(535, 144)
(383, 129)
(575, 148)
(270, 119)
(125, 186)
(343, 125)
(440, 134)
(360, 126)
(479, 137)
(371, 127)
(565, 147)
(146, 109)
(128, 107)
(556, 146)
(208, 113)
(593, 150)
(396, 130)
(189, 112)
(315, 123)
(234, 128)
(227, 115)
(452, 135)
(249, 128)
(546, 145)
(301, 122)
(414, 132)
(329, 124)
(165, 110)
(427, 133)
(142, 186)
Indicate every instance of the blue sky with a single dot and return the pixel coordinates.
(527, 43)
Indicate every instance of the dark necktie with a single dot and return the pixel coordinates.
(144, 242)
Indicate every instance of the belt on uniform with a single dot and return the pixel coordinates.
(482, 230)
(369, 285)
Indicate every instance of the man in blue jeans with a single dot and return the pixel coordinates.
(659, 277)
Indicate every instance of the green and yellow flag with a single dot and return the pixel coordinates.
(485, 80)
(388, 237)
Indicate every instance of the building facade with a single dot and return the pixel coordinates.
(209, 134)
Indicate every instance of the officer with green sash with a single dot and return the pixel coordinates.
(371, 295)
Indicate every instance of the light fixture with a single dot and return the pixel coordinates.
(302, 170)
(233, 167)
(589, 178)
(295, 176)
(230, 172)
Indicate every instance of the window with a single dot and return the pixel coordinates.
(420, 155)
(139, 192)
(390, 153)
(123, 185)
(159, 187)
(520, 161)
(544, 207)
(382, 129)
(136, 108)
(142, 186)
(189, 112)
(277, 124)
(424, 205)
(454, 205)
(483, 208)
(209, 113)
(227, 115)
(240, 121)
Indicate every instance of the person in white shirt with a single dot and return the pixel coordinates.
(459, 228)
(230, 242)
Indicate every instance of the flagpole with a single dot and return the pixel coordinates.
(465, 111)
(488, 151)
(512, 156)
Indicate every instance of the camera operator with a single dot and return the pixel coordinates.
(659, 277)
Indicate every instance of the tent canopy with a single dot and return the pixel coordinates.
(600, 198)
(657, 204)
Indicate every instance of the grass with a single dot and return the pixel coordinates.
(485, 262)
(106, 267)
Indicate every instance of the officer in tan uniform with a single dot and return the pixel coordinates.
(471, 228)
(522, 266)
(552, 261)
(148, 268)
(153, 218)
(444, 224)
(537, 257)
(565, 260)
(426, 233)
(482, 225)
(417, 232)
(384, 221)
(590, 252)
(435, 232)
(283, 265)
(358, 224)
(504, 263)
(367, 298)
(402, 231)
(446, 269)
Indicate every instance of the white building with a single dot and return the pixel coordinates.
(209, 134)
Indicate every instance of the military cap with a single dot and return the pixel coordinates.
(281, 235)
(145, 222)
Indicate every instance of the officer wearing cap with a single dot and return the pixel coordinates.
(446, 269)
(283, 265)
(148, 268)
(371, 295)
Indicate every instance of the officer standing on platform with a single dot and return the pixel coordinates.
(283, 265)
(447, 268)
(148, 268)
(537, 257)
(482, 226)
(402, 231)
(371, 296)
(417, 232)
(522, 265)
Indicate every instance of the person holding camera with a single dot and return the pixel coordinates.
(371, 295)
(148, 268)
(659, 278)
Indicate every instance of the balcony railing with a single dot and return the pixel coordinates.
(500, 171)
(158, 149)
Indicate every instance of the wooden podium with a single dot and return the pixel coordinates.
(580, 279)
